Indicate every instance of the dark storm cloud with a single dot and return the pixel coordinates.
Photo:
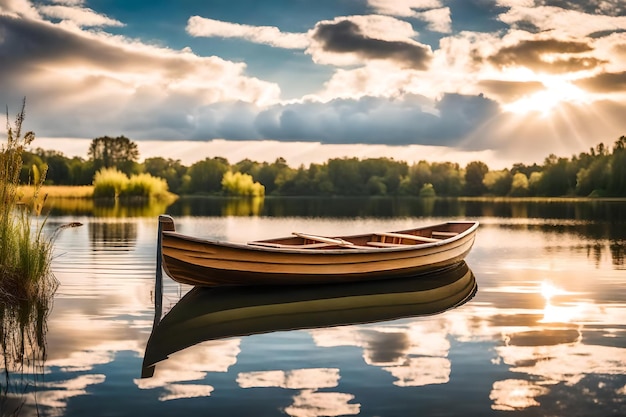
(510, 90)
(346, 37)
(604, 83)
(531, 54)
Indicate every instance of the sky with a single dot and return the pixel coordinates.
(500, 81)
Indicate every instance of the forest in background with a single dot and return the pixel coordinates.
(600, 172)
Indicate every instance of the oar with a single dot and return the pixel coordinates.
(332, 241)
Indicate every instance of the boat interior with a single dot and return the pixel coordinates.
(412, 237)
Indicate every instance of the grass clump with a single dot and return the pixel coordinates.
(25, 253)
(112, 184)
(109, 183)
(145, 185)
(238, 184)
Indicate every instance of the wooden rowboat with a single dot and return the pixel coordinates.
(216, 313)
(311, 259)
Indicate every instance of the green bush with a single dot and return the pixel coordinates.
(427, 191)
(239, 184)
(110, 183)
(145, 185)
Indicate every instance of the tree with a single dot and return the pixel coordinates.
(81, 171)
(418, 175)
(238, 184)
(595, 178)
(617, 180)
(206, 176)
(119, 152)
(169, 169)
(58, 167)
(30, 160)
(446, 178)
(519, 185)
(376, 186)
(274, 175)
(498, 182)
(301, 183)
(474, 175)
(427, 191)
(345, 176)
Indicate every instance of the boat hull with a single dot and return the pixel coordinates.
(211, 263)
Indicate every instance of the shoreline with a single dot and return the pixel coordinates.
(86, 192)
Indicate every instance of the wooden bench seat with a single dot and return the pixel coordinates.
(443, 234)
(387, 245)
(408, 237)
(281, 245)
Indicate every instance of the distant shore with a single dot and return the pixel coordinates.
(86, 192)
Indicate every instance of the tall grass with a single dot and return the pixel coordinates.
(26, 192)
(25, 253)
(26, 284)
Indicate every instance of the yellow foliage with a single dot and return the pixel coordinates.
(241, 185)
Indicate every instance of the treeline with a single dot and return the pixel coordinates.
(599, 172)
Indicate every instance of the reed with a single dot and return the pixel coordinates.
(23, 327)
(25, 252)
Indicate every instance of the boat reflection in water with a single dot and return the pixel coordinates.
(216, 313)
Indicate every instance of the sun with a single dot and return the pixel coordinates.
(557, 91)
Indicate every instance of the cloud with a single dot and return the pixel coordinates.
(605, 7)
(375, 79)
(363, 38)
(86, 84)
(202, 27)
(430, 11)
(17, 8)
(403, 8)
(439, 20)
(605, 83)
(382, 86)
(79, 15)
(55, 60)
(547, 55)
(566, 20)
(343, 41)
(69, 2)
(372, 120)
(509, 91)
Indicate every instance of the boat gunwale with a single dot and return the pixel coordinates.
(337, 251)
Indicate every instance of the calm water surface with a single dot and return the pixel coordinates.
(544, 335)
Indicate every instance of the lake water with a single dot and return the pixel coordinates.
(543, 335)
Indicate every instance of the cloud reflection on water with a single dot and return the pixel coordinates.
(550, 342)
(308, 402)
